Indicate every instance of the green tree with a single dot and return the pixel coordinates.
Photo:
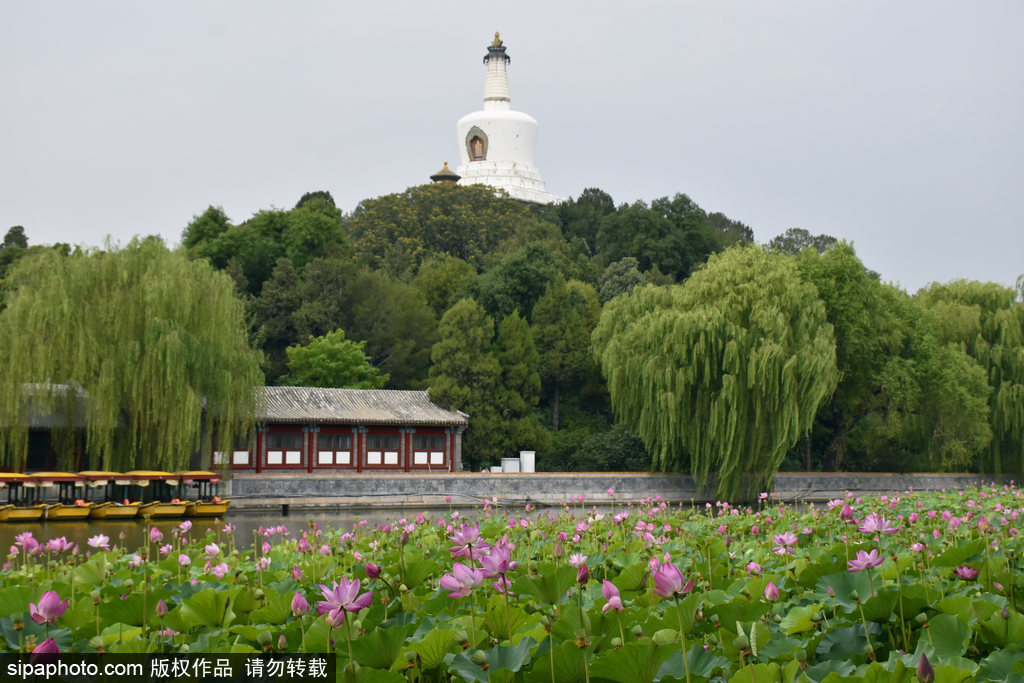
(904, 400)
(517, 392)
(795, 240)
(332, 361)
(724, 373)
(563, 321)
(273, 319)
(581, 217)
(466, 221)
(672, 234)
(156, 341)
(730, 232)
(442, 280)
(986, 321)
(464, 375)
(619, 278)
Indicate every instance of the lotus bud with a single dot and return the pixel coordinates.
(161, 608)
(771, 591)
(925, 672)
(583, 575)
(372, 570)
(282, 643)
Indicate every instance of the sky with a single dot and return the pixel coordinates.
(897, 126)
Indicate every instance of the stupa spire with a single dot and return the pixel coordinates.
(496, 91)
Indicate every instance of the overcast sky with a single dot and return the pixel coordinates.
(898, 126)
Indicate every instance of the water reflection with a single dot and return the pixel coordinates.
(131, 533)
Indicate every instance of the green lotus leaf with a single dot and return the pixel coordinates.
(209, 608)
(380, 648)
(433, 648)
(636, 662)
(756, 672)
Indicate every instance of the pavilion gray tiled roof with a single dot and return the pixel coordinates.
(356, 406)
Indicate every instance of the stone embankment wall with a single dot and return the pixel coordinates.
(369, 489)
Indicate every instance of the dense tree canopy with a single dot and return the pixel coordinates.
(398, 231)
(723, 374)
(332, 361)
(155, 340)
(986, 321)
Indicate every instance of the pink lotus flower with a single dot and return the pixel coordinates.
(27, 541)
(185, 526)
(212, 551)
(184, 560)
(50, 607)
(165, 550)
(611, 594)
(874, 523)
(58, 545)
(221, 570)
(161, 608)
(47, 647)
(753, 567)
(576, 559)
(100, 542)
(583, 575)
(771, 591)
(299, 605)
(372, 570)
(846, 513)
(467, 542)
(499, 561)
(340, 598)
(966, 573)
(134, 561)
(155, 535)
(669, 581)
(461, 581)
(296, 573)
(865, 560)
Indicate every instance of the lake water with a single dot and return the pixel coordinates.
(134, 530)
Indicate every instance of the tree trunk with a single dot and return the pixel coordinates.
(837, 449)
(554, 409)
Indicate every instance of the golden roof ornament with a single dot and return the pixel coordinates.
(497, 40)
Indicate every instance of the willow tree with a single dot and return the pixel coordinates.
(155, 343)
(723, 374)
(986, 321)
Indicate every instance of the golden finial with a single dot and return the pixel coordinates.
(497, 40)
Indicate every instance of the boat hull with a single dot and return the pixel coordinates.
(20, 514)
(60, 511)
(159, 509)
(207, 509)
(114, 511)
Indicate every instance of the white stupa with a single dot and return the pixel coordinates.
(497, 144)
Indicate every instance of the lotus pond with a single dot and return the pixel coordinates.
(909, 586)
